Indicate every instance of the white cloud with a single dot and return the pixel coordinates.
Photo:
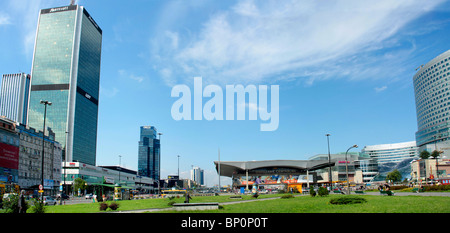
(126, 74)
(380, 89)
(257, 40)
(108, 92)
(4, 19)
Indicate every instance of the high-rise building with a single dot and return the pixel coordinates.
(432, 94)
(149, 158)
(14, 96)
(197, 175)
(66, 72)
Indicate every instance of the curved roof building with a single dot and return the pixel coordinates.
(265, 167)
(432, 94)
(392, 153)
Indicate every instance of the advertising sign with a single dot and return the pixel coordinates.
(9, 156)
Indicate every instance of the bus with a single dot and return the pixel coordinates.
(173, 193)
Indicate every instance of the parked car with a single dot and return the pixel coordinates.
(48, 200)
(89, 196)
(63, 195)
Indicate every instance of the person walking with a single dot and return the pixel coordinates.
(187, 197)
(22, 204)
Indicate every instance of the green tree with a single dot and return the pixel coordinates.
(79, 184)
(424, 154)
(395, 176)
(435, 154)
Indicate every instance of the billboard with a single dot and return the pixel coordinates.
(9, 156)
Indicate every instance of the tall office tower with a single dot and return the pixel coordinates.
(14, 97)
(197, 175)
(149, 161)
(431, 87)
(66, 72)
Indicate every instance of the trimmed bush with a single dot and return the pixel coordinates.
(114, 206)
(322, 192)
(347, 200)
(103, 206)
(312, 192)
(170, 203)
(287, 196)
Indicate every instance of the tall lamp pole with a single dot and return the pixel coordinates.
(178, 166)
(120, 158)
(329, 160)
(45, 103)
(346, 168)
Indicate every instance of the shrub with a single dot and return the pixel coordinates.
(322, 192)
(347, 200)
(103, 206)
(312, 192)
(38, 207)
(114, 206)
(170, 203)
(11, 204)
(286, 196)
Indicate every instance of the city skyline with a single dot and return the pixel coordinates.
(349, 75)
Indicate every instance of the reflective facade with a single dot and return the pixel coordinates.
(392, 153)
(432, 94)
(66, 72)
(149, 161)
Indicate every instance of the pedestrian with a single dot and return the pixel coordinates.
(187, 197)
(22, 204)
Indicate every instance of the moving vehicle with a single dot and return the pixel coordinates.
(48, 200)
(63, 195)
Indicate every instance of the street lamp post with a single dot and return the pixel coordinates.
(178, 166)
(330, 177)
(45, 103)
(346, 167)
(120, 157)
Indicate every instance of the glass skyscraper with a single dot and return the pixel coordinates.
(149, 161)
(431, 87)
(66, 72)
(14, 96)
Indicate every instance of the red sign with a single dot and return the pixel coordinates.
(9, 156)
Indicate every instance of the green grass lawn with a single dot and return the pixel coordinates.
(301, 204)
(374, 204)
(143, 204)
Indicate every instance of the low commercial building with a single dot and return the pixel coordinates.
(430, 171)
(105, 175)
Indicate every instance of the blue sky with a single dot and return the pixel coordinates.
(343, 67)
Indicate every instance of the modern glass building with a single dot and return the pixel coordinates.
(432, 94)
(14, 96)
(149, 160)
(392, 153)
(197, 175)
(66, 72)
